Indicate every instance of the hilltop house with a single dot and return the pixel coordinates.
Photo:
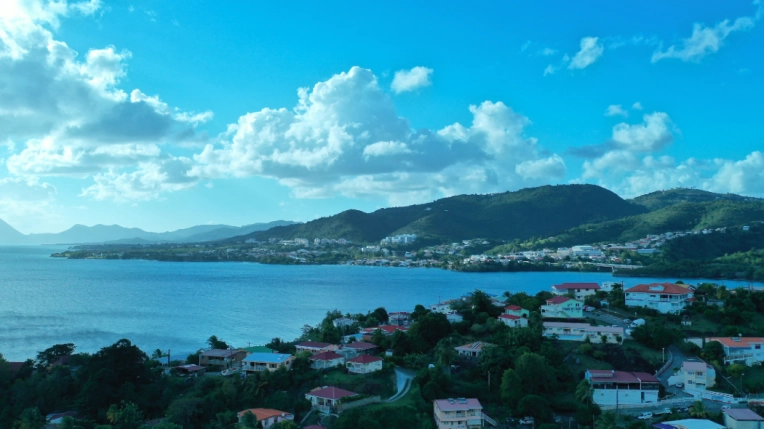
(325, 399)
(748, 350)
(562, 307)
(471, 351)
(267, 417)
(326, 360)
(257, 362)
(664, 297)
(462, 413)
(313, 347)
(364, 364)
(697, 375)
(579, 290)
(220, 359)
(622, 388)
(515, 316)
(566, 331)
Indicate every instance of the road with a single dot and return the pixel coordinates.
(404, 378)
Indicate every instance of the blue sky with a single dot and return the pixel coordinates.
(163, 115)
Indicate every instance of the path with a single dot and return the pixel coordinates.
(404, 379)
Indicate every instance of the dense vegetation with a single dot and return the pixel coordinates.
(660, 199)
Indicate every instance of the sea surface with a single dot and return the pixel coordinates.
(178, 305)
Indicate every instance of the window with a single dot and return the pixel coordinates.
(757, 346)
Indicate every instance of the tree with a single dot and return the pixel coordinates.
(248, 420)
(445, 352)
(30, 418)
(48, 356)
(534, 406)
(583, 391)
(511, 388)
(536, 375)
(126, 417)
(157, 354)
(216, 343)
(713, 352)
(380, 314)
(428, 330)
(286, 424)
(494, 360)
(697, 409)
(608, 420)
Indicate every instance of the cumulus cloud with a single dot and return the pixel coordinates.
(344, 136)
(637, 106)
(704, 40)
(653, 134)
(742, 177)
(410, 80)
(591, 50)
(22, 198)
(615, 110)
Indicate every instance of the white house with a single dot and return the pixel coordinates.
(622, 388)
(472, 350)
(515, 316)
(579, 290)
(442, 307)
(267, 417)
(664, 297)
(326, 360)
(566, 331)
(562, 307)
(325, 399)
(748, 350)
(313, 347)
(364, 364)
(461, 413)
(742, 418)
(697, 375)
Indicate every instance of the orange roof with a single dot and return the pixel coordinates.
(741, 342)
(263, 413)
(667, 288)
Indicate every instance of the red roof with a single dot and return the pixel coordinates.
(313, 345)
(388, 329)
(361, 345)
(264, 413)
(331, 393)
(558, 300)
(664, 288)
(513, 307)
(565, 286)
(738, 342)
(510, 317)
(326, 356)
(365, 359)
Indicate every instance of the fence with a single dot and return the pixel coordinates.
(670, 403)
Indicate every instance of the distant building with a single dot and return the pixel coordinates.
(313, 347)
(364, 364)
(622, 388)
(566, 331)
(326, 399)
(267, 417)
(697, 375)
(471, 351)
(326, 360)
(562, 307)
(579, 290)
(748, 350)
(257, 362)
(218, 360)
(664, 297)
(515, 316)
(462, 413)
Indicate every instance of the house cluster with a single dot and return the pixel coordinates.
(398, 239)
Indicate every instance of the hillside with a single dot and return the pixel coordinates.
(679, 217)
(510, 215)
(661, 199)
(9, 235)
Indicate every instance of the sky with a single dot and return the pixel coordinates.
(165, 115)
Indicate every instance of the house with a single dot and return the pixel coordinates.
(514, 321)
(257, 362)
(400, 318)
(386, 330)
(313, 347)
(325, 399)
(663, 297)
(191, 370)
(748, 350)
(742, 418)
(579, 290)
(361, 347)
(352, 337)
(267, 417)
(364, 364)
(471, 351)
(516, 310)
(697, 375)
(326, 360)
(566, 331)
(442, 307)
(622, 388)
(454, 317)
(688, 424)
(219, 360)
(562, 307)
(462, 413)
(256, 349)
(344, 321)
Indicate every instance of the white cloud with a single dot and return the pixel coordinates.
(22, 199)
(704, 40)
(652, 135)
(410, 80)
(742, 177)
(550, 69)
(615, 110)
(591, 50)
(546, 52)
(637, 106)
(344, 136)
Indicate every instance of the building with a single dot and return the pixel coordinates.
(256, 349)
(566, 331)
(344, 321)
(364, 364)
(742, 418)
(471, 351)
(326, 360)
(579, 290)
(516, 310)
(442, 307)
(514, 321)
(688, 424)
(360, 347)
(585, 251)
(218, 360)
(454, 317)
(326, 399)
(462, 413)
(267, 416)
(313, 347)
(697, 375)
(562, 307)
(257, 362)
(748, 350)
(400, 318)
(386, 330)
(622, 388)
(663, 297)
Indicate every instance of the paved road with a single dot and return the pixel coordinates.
(404, 378)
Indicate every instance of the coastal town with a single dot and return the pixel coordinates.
(650, 354)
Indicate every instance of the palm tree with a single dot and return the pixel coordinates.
(446, 352)
(698, 410)
(608, 420)
(583, 391)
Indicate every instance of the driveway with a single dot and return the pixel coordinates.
(404, 378)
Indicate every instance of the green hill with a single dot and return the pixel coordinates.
(661, 199)
(510, 215)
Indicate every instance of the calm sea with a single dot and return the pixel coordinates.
(176, 305)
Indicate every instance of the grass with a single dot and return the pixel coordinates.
(653, 356)
(377, 384)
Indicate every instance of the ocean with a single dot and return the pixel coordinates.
(178, 305)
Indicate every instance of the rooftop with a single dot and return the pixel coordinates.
(585, 326)
(452, 404)
(328, 392)
(219, 353)
(743, 414)
(664, 288)
(360, 345)
(326, 356)
(513, 307)
(694, 365)
(741, 342)
(312, 345)
(689, 424)
(473, 346)
(610, 376)
(567, 286)
(365, 359)
(264, 413)
(267, 357)
(559, 300)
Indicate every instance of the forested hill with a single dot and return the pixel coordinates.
(660, 199)
(510, 215)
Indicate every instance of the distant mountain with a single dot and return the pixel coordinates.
(81, 234)
(660, 199)
(522, 214)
